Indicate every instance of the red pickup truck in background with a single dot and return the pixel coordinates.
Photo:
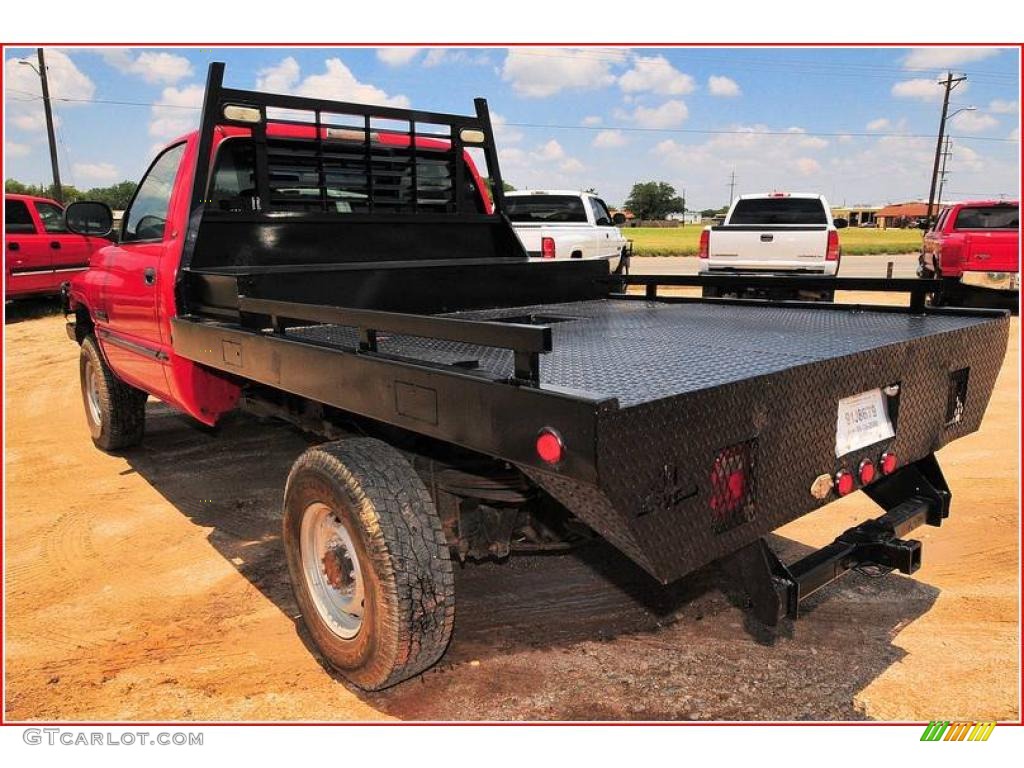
(974, 248)
(39, 251)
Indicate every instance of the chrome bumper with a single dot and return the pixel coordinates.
(995, 281)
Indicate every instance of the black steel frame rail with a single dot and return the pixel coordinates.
(917, 288)
(527, 342)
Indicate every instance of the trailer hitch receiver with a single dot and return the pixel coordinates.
(913, 496)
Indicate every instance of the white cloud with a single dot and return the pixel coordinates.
(545, 166)
(24, 93)
(336, 82)
(177, 111)
(1003, 106)
(152, 66)
(933, 58)
(720, 85)
(397, 57)
(1014, 135)
(279, 78)
(669, 115)
(437, 56)
(591, 121)
(808, 166)
(921, 88)
(95, 173)
(609, 139)
(657, 75)
(15, 149)
(975, 122)
(537, 73)
(879, 124)
(503, 133)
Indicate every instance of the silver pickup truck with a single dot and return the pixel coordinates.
(776, 233)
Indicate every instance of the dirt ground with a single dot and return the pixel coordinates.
(152, 586)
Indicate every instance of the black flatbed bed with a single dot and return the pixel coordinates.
(639, 351)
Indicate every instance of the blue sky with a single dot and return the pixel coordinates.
(853, 124)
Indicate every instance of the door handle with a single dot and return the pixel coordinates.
(149, 275)
(55, 245)
(13, 247)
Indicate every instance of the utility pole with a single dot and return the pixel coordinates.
(732, 187)
(950, 82)
(58, 193)
(946, 154)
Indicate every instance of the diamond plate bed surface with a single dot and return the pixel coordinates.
(640, 351)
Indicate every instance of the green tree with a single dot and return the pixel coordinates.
(504, 185)
(654, 200)
(117, 196)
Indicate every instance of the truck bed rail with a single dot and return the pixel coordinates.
(527, 342)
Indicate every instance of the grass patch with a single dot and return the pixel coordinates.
(683, 241)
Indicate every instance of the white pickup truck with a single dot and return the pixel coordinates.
(562, 224)
(776, 233)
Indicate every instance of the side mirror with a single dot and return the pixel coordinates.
(840, 223)
(89, 218)
(619, 219)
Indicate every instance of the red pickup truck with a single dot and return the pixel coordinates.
(974, 248)
(359, 283)
(39, 251)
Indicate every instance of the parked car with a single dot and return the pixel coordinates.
(974, 249)
(562, 224)
(470, 400)
(773, 234)
(39, 251)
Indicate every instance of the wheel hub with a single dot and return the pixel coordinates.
(330, 565)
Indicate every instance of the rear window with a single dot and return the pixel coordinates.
(779, 210)
(351, 181)
(547, 209)
(988, 217)
(18, 221)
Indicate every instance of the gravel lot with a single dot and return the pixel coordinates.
(152, 586)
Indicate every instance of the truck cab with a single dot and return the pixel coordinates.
(39, 251)
(974, 249)
(775, 233)
(564, 224)
(131, 294)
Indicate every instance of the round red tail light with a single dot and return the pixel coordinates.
(549, 446)
(844, 482)
(866, 471)
(889, 463)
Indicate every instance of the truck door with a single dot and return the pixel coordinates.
(131, 334)
(606, 235)
(26, 251)
(69, 253)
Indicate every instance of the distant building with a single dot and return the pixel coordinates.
(857, 215)
(901, 215)
(690, 217)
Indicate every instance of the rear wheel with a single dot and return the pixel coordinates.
(368, 561)
(114, 411)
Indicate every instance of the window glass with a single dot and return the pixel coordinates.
(989, 217)
(601, 216)
(545, 208)
(147, 216)
(779, 210)
(19, 220)
(52, 217)
(293, 172)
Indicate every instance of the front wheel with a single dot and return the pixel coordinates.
(115, 411)
(368, 561)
